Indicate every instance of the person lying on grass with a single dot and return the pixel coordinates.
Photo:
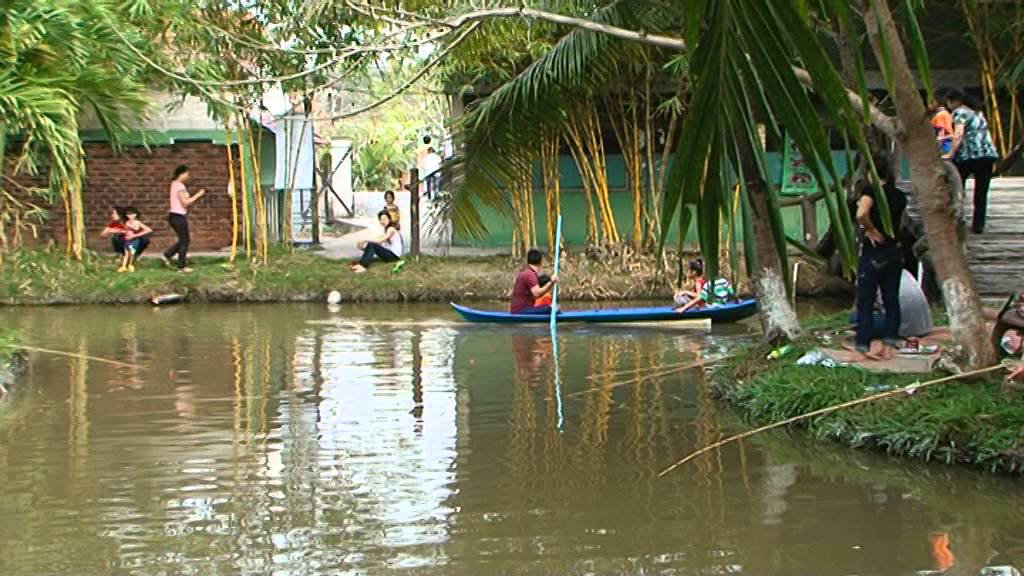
(387, 248)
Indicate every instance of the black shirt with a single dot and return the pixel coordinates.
(897, 202)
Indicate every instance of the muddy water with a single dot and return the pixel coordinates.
(288, 440)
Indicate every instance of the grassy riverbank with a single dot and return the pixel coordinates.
(959, 422)
(41, 277)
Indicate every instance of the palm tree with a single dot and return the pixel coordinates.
(931, 182)
(59, 59)
(736, 80)
(740, 56)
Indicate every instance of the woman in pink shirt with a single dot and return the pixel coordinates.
(178, 217)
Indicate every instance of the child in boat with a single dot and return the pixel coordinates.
(135, 229)
(546, 299)
(689, 296)
(704, 293)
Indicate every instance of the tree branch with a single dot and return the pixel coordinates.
(879, 119)
(405, 85)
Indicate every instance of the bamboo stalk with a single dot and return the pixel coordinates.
(261, 211)
(246, 219)
(552, 186)
(234, 194)
(651, 133)
(67, 215)
(600, 173)
(828, 410)
(579, 157)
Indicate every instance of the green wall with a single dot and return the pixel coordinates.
(574, 208)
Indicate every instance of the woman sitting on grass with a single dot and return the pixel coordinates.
(388, 248)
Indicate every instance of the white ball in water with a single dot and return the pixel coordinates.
(334, 297)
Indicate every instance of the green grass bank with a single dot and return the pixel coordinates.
(967, 422)
(37, 277)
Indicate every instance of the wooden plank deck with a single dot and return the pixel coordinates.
(997, 256)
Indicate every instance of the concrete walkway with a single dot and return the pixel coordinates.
(345, 247)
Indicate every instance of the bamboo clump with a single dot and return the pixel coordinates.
(254, 221)
(997, 54)
(549, 159)
(631, 135)
(586, 143)
(262, 222)
(524, 230)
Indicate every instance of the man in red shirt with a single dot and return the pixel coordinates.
(528, 289)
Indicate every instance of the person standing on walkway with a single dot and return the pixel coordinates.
(973, 151)
(432, 172)
(178, 217)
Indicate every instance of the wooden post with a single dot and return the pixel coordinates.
(315, 209)
(414, 213)
(810, 219)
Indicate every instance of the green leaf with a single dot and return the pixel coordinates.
(919, 47)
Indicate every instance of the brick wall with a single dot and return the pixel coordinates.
(141, 178)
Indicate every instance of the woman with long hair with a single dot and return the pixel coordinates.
(178, 217)
(387, 248)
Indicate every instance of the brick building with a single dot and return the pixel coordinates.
(139, 175)
(141, 178)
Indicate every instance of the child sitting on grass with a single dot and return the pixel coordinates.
(135, 229)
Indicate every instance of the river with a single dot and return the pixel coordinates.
(290, 439)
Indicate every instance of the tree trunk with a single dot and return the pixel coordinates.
(778, 319)
(934, 192)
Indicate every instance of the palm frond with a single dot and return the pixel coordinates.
(510, 125)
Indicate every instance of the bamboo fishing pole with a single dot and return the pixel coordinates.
(554, 322)
(908, 390)
(70, 355)
(645, 375)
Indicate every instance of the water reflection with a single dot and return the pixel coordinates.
(277, 439)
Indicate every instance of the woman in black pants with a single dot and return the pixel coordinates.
(973, 151)
(880, 265)
(178, 217)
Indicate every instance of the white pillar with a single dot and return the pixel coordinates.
(341, 178)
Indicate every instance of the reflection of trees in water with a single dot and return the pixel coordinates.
(78, 405)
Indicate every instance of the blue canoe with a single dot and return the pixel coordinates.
(718, 313)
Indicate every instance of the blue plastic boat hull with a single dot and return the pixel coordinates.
(719, 313)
